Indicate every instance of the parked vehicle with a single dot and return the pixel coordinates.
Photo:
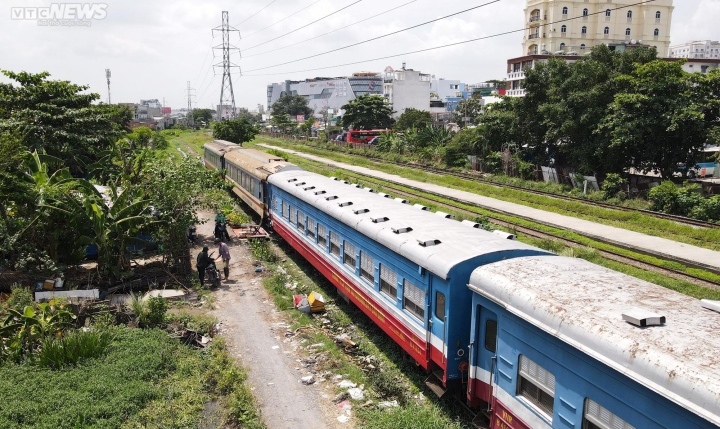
(363, 136)
(212, 275)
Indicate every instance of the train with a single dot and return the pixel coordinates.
(526, 338)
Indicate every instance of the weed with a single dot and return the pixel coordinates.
(71, 348)
(261, 250)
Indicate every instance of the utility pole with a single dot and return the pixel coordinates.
(107, 75)
(191, 119)
(227, 97)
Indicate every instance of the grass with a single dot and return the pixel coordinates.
(707, 238)
(185, 142)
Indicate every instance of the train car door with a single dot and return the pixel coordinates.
(486, 332)
(438, 320)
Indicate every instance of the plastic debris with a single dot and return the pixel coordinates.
(301, 303)
(356, 393)
(317, 302)
(307, 380)
(259, 269)
(346, 384)
(345, 340)
(388, 404)
(343, 418)
(345, 405)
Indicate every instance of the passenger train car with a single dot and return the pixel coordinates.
(532, 339)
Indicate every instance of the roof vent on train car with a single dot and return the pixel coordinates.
(380, 219)
(471, 224)
(345, 203)
(421, 207)
(428, 242)
(371, 190)
(361, 211)
(403, 201)
(333, 178)
(445, 215)
(402, 230)
(319, 192)
(356, 185)
(331, 197)
(307, 188)
(346, 182)
(292, 180)
(300, 183)
(641, 317)
(504, 234)
(384, 195)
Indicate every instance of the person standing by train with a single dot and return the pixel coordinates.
(225, 255)
(203, 260)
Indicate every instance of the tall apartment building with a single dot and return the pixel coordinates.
(406, 88)
(696, 49)
(552, 29)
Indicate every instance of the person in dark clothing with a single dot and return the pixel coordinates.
(203, 260)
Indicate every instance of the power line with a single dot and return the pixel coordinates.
(273, 1)
(449, 44)
(333, 31)
(378, 37)
(306, 25)
(277, 22)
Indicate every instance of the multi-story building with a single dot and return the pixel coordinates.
(573, 27)
(406, 88)
(697, 49)
(327, 93)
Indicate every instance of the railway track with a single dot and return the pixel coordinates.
(480, 178)
(460, 207)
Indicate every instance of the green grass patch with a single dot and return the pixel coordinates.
(183, 143)
(707, 238)
(144, 380)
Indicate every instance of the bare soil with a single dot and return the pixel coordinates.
(258, 337)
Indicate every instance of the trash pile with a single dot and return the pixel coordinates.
(313, 303)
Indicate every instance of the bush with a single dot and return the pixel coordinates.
(612, 186)
(20, 297)
(707, 210)
(261, 250)
(72, 348)
(668, 198)
(155, 315)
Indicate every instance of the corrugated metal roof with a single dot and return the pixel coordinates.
(458, 242)
(582, 304)
(260, 163)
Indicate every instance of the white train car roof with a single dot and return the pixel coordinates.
(582, 304)
(259, 163)
(221, 147)
(433, 242)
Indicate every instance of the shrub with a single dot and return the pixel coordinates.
(261, 250)
(156, 309)
(670, 199)
(20, 297)
(612, 185)
(708, 209)
(70, 349)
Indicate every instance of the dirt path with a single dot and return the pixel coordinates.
(258, 337)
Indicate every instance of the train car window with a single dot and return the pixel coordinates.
(274, 204)
(252, 186)
(334, 244)
(388, 282)
(537, 385)
(311, 227)
(322, 236)
(349, 254)
(285, 209)
(413, 299)
(293, 215)
(439, 305)
(491, 335)
(598, 417)
(301, 221)
(367, 270)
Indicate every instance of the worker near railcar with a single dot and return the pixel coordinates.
(225, 255)
(203, 261)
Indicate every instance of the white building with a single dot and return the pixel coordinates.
(327, 93)
(406, 88)
(697, 49)
(574, 26)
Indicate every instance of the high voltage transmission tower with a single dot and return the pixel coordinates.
(226, 110)
(191, 120)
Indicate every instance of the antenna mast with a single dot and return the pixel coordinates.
(107, 75)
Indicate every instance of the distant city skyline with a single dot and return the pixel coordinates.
(153, 51)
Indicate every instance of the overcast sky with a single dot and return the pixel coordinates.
(153, 48)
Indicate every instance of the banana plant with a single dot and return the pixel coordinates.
(21, 332)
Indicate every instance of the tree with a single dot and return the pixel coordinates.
(58, 118)
(283, 122)
(253, 118)
(291, 105)
(412, 118)
(368, 112)
(235, 130)
(203, 115)
(468, 111)
(657, 119)
(306, 126)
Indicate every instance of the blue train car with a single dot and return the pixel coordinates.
(551, 349)
(406, 268)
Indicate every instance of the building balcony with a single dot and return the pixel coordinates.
(518, 75)
(534, 36)
(535, 19)
(515, 92)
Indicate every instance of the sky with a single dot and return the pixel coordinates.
(154, 48)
